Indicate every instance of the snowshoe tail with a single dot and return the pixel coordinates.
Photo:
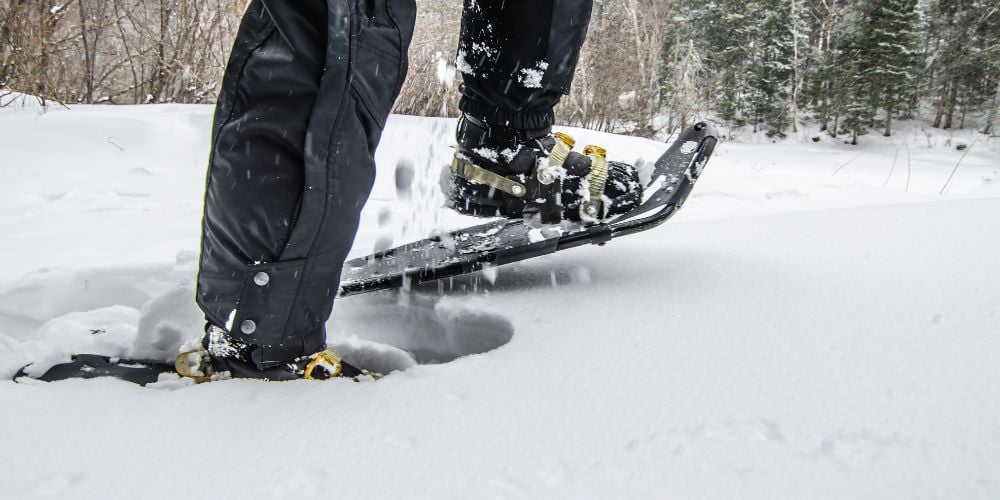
(86, 366)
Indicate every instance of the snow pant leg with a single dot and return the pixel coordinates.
(517, 58)
(304, 99)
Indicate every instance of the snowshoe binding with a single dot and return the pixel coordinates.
(514, 173)
(223, 356)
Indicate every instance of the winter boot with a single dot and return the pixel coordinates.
(224, 358)
(508, 172)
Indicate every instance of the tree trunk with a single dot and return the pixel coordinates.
(160, 68)
(824, 116)
(136, 91)
(48, 20)
(824, 109)
(8, 38)
(888, 122)
(939, 114)
(88, 57)
(992, 116)
(949, 115)
(795, 71)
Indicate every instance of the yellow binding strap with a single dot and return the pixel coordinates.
(330, 361)
(199, 371)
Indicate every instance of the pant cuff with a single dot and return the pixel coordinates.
(497, 116)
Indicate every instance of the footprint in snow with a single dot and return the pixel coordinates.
(383, 332)
(392, 331)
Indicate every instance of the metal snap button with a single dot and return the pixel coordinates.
(261, 279)
(248, 327)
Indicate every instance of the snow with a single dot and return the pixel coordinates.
(532, 77)
(462, 65)
(487, 153)
(815, 323)
(689, 147)
(445, 72)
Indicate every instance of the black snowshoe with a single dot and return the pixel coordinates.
(219, 361)
(504, 241)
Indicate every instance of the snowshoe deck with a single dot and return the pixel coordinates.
(505, 241)
(87, 366)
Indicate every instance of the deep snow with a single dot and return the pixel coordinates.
(815, 323)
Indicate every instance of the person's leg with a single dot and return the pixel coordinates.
(517, 58)
(306, 93)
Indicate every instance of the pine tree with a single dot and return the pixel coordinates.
(989, 40)
(964, 50)
(773, 70)
(820, 59)
(844, 66)
(889, 48)
(724, 29)
(876, 63)
(749, 46)
(853, 99)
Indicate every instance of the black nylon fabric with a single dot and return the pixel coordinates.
(306, 92)
(518, 57)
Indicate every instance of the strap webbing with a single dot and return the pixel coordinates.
(467, 170)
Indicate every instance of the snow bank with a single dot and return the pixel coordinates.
(12, 102)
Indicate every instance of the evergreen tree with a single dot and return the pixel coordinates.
(853, 99)
(964, 50)
(875, 63)
(723, 29)
(749, 47)
(820, 60)
(889, 51)
(771, 71)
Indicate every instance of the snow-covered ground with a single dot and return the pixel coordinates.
(819, 322)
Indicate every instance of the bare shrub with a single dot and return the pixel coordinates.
(633, 68)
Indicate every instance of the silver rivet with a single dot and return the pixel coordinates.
(591, 210)
(248, 327)
(517, 190)
(261, 279)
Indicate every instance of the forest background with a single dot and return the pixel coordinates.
(844, 67)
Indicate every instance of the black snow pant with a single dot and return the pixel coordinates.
(304, 98)
(517, 58)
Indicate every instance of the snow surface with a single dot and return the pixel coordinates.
(818, 322)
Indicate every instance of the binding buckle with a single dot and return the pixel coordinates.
(197, 368)
(590, 209)
(329, 360)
